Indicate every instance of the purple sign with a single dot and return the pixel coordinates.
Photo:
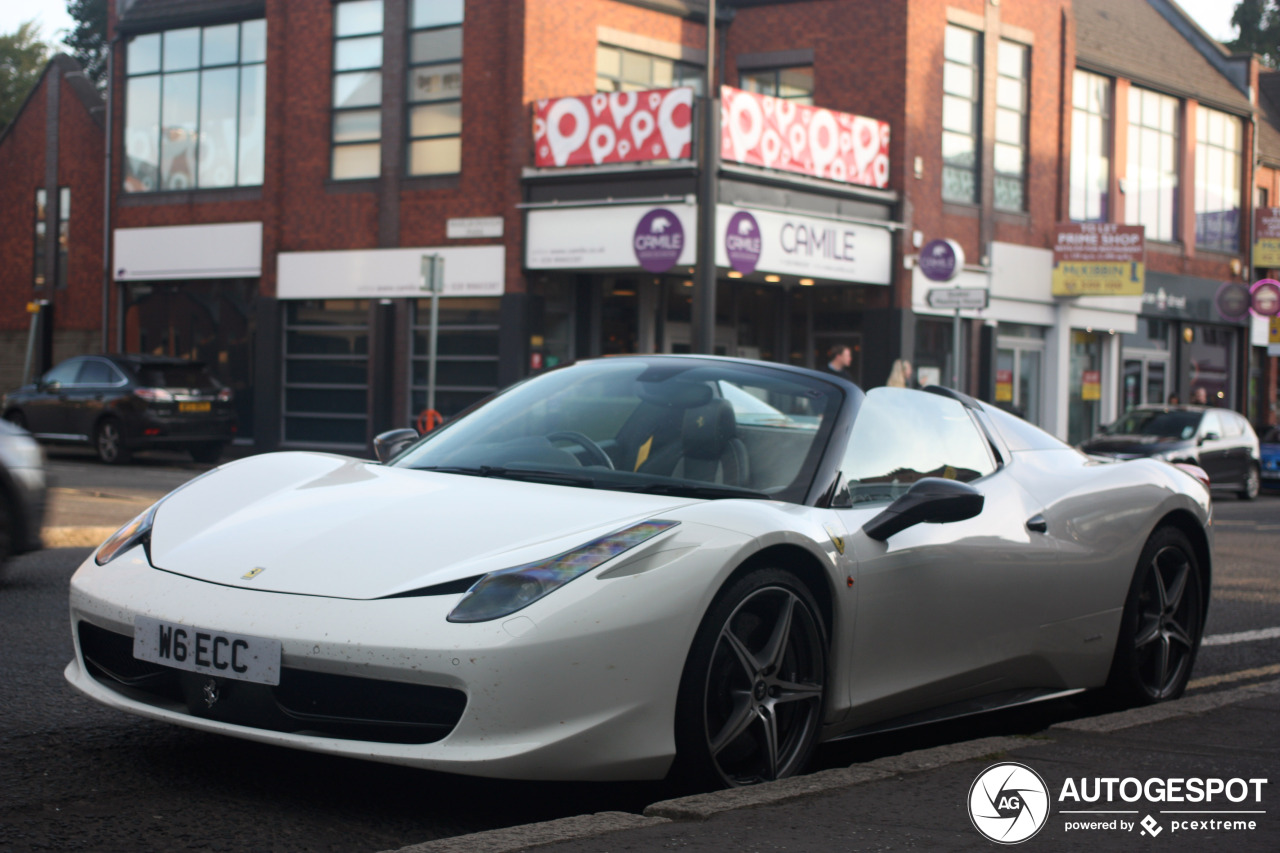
(659, 240)
(742, 242)
(1232, 300)
(941, 260)
(1265, 297)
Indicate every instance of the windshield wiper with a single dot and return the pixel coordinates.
(695, 490)
(533, 475)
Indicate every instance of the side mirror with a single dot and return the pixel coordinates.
(389, 445)
(54, 385)
(1209, 436)
(932, 500)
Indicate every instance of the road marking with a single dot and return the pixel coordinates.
(1242, 637)
(1240, 675)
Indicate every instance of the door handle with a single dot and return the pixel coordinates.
(1037, 524)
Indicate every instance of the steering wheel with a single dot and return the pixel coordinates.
(595, 453)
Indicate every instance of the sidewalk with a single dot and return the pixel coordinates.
(919, 801)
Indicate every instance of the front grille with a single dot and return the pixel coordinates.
(305, 702)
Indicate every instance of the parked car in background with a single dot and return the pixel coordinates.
(1218, 440)
(22, 491)
(119, 404)
(1270, 452)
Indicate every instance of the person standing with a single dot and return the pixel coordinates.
(900, 374)
(839, 357)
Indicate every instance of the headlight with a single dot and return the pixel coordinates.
(504, 592)
(138, 530)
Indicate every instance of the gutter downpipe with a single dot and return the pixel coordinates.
(106, 209)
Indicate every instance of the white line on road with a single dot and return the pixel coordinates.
(1242, 637)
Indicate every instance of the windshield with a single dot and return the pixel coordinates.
(1158, 423)
(703, 428)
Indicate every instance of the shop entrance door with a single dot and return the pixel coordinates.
(1018, 389)
(1146, 380)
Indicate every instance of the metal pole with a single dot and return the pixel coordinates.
(33, 308)
(106, 210)
(704, 297)
(955, 346)
(433, 272)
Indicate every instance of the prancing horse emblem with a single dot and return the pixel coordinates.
(252, 573)
(211, 694)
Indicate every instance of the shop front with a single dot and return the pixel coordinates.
(619, 278)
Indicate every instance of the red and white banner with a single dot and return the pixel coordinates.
(760, 130)
(622, 127)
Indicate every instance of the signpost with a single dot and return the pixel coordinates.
(958, 297)
(433, 283)
(942, 260)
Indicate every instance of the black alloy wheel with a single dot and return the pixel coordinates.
(752, 693)
(1161, 627)
(108, 441)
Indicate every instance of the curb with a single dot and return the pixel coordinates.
(75, 537)
(703, 806)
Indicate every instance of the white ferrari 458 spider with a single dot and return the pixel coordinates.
(645, 565)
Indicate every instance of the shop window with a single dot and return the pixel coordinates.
(435, 87)
(326, 372)
(195, 108)
(1151, 179)
(1218, 141)
(961, 115)
(466, 353)
(1011, 125)
(791, 84)
(357, 89)
(622, 70)
(1084, 386)
(1090, 146)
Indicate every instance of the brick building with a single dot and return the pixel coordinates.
(280, 169)
(51, 243)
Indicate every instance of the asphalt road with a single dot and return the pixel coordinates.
(77, 776)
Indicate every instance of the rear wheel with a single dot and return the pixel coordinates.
(751, 696)
(1252, 484)
(208, 453)
(108, 441)
(1162, 623)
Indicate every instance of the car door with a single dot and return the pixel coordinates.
(945, 612)
(1214, 450)
(45, 411)
(96, 382)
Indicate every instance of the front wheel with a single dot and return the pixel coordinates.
(1162, 623)
(751, 697)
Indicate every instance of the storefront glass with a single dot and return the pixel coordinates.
(466, 353)
(1210, 353)
(1148, 371)
(1085, 388)
(935, 354)
(1018, 379)
(326, 372)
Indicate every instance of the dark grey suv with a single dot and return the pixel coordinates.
(1218, 440)
(121, 403)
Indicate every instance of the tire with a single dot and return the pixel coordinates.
(751, 697)
(108, 441)
(1252, 484)
(1162, 624)
(208, 453)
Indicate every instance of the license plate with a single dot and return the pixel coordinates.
(209, 652)
(204, 406)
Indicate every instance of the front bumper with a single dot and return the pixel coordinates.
(549, 693)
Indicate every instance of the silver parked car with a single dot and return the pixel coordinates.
(22, 491)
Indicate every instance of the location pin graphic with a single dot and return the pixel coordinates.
(746, 121)
(602, 140)
(674, 135)
(641, 127)
(573, 112)
(621, 105)
(824, 140)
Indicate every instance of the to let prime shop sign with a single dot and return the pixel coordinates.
(1098, 259)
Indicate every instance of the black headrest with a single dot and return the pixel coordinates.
(708, 428)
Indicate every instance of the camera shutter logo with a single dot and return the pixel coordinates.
(1008, 803)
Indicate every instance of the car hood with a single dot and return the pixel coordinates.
(325, 525)
(1136, 445)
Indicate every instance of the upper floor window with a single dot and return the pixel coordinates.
(792, 84)
(64, 221)
(1090, 146)
(1218, 141)
(357, 89)
(195, 108)
(435, 87)
(1011, 126)
(1151, 180)
(622, 70)
(961, 72)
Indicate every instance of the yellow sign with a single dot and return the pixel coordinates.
(1084, 278)
(1091, 385)
(1274, 336)
(1004, 386)
(1266, 238)
(1266, 253)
